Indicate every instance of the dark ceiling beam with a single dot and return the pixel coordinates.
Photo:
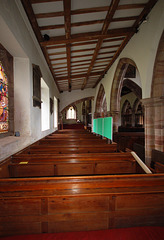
(31, 16)
(78, 65)
(144, 13)
(79, 76)
(86, 23)
(65, 58)
(108, 19)
(89, 10)
(56, 46)
(43, 1)
(67, 20)
(89, 36)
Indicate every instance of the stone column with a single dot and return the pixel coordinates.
(115, 115)
(154, 126)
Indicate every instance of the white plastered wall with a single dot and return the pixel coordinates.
(21, 43)
(67, 98)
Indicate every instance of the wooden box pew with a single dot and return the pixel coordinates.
(59, 204)
(73, 136)
(157, 161)
(17, 158)
(127, 139)
(71, 149)
(72, 141)
(71, 131)
(74, 166)
(159, 167)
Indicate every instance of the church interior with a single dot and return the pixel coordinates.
(82, 119)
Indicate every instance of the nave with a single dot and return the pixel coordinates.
(74, 181)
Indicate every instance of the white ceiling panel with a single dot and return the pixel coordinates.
(48, 7)
(81, 39)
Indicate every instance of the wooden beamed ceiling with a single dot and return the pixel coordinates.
(81, 39)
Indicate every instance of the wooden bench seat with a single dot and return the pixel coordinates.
(70, 136)
(127, 139)
(71, 131)
(59, 204)
(40, 166)
(71, 141)
(71, 148)
(16, 158)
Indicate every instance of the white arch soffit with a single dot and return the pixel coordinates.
(67, 98)
(7, 37)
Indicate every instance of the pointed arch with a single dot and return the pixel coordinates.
(157, 88)
(76, 102)
(126, 114)
(101, 103)
(118, 82)
(133, 87)
(116, 89)
(138, 110)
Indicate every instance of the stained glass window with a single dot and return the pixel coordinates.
(4, 126)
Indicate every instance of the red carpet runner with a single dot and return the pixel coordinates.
(137, 233)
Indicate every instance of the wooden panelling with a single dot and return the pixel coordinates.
(73, 149)
(78, 222)
(36, 205)
(79, 204)
(112, 168)
(74, 169)
(15, 228)
(4, 173)
(19, 207)
(26, 170)
(139, 217)
(159, 167)
(140, 201)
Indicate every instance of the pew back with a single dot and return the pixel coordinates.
(115, 163)
(46, 205)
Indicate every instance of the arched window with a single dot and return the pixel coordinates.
(71, 113)
(4, 125)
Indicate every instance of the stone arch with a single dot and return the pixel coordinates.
(138, 111)
(76, 102)
(86, 118)
(125, 106)
(117, 87)
(126, 109)
(157, 88)
(133, 87)
(101, 104)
